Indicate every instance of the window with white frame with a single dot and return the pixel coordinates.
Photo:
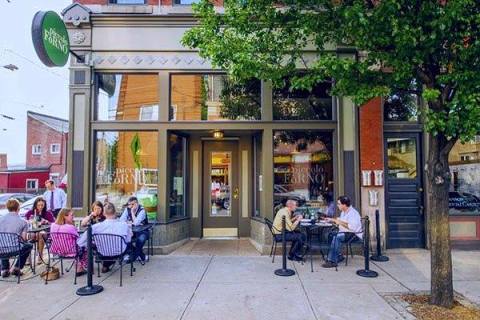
(55, 148)
(36, 149)
(149, 112)
(32, 184)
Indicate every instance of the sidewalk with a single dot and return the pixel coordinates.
(237, 287)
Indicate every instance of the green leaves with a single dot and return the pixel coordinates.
(435, 45)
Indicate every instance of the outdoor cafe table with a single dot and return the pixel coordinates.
(310, 229)
(36, 231)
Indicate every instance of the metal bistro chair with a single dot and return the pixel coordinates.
(270, 226)
(351, 240)
(62, 246)
(11, 247)
(111, 247)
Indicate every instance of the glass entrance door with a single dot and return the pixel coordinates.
(220, 188)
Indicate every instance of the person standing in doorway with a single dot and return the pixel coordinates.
(55, 197)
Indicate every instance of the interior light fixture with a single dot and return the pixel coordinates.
(218, 134)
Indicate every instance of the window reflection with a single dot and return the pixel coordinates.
(400, 106)
(126, 164)
(402, 157)
(464, 162)
(303, 169)
(296, 104)
(213, 97)
(127, 97)
(177, 147)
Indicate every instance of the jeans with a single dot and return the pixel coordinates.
(336, 247)
(140, 239)
(297, 239)
(24, 253)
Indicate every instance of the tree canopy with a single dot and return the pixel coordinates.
(430, 48)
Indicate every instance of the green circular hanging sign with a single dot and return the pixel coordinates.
(50, 38)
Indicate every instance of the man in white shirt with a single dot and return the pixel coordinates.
(55, 197)
(110, 225)
(349, 225)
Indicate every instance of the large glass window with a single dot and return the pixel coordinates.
(402, 158)
(464, 162)
(126, 164)
(127, 97)
(296, 104)
(303, 169)
(177, 175)
(400, 106)
(213, 97)
(257, 174)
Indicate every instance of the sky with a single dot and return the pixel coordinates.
(33, 86)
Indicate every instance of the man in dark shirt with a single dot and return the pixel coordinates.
(12, 223)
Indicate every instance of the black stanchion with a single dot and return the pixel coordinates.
(89, 289)
(366, 252)
(378, 256)
(284, 272)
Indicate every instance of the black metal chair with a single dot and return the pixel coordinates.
(112, 248)
(270, 226)
(62, 246)
(351, 240)
(10, 247)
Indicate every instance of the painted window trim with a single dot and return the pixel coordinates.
(31, 180)
(51, 148)
(36, 152)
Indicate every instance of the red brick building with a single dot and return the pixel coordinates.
(46, 155)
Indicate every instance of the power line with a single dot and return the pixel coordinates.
(35, 63)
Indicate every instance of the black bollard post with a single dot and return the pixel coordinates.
(284, 272)
(378, 256)
(89, 289)
(366, 252)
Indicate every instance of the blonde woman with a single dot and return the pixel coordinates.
(64, 224)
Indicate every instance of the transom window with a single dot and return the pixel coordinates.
(186, 2)
(127, 1)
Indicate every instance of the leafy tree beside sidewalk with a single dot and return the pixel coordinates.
(424, 47)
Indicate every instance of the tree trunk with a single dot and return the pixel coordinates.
(438, 178)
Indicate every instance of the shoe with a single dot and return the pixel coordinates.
(105, 269)
(17, 272)
(5, 274)
(81, 273)
(295, 258)
(329, 264)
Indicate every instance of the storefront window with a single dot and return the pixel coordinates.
(464, 162)
(400, 106)
(296, 104)
(213, 97)
(303, 170)
(257, 173)
(126, 165)
(127, 97)
(177, 188)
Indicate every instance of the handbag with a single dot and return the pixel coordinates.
(53, 274)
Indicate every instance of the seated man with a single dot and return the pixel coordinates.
(297, 238)
(349, 225)
(110, 225)
(135, 214)
(12, 223)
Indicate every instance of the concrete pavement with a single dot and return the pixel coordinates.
(192, 284)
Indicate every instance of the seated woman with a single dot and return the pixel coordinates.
(95, 216)
(64, 224)
(39, 215)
